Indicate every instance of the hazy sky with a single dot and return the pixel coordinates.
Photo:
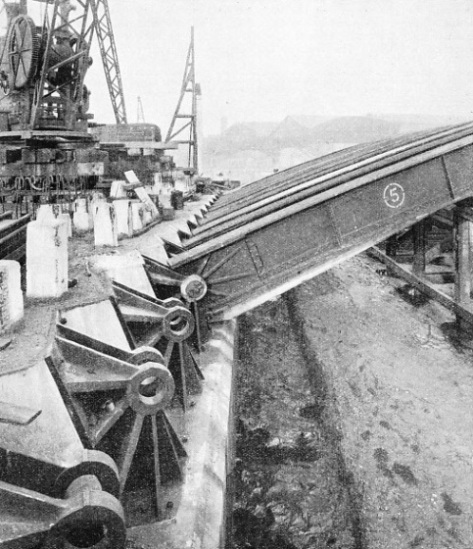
(264, 59)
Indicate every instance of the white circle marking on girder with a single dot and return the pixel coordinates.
(394, 195)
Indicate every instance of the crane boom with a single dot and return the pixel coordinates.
(108, 51)
(187, 121)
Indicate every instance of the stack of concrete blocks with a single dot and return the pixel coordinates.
(52, 212)
(47, 258)
(105, 225)
(11, 297)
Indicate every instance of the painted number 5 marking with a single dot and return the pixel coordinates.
(394, 195)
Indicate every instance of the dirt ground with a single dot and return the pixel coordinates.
(378, 398)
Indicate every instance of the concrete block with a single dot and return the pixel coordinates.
(124, 216)
(117, 190)
(137, 210)
(48, 212)
(157, 184)
(11, 297)
(126, 269)
(147, 216)
(145, 198)
(67, 219)
(105, 226)
(51, 212)
(82, 221)
(140, 191)
(94, 199)
(46, 259)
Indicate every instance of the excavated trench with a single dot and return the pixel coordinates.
(293, 488)
(354, 420)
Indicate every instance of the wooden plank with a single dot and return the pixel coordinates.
(462, 311)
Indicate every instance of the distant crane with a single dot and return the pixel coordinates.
(190, 121)
(140, 115)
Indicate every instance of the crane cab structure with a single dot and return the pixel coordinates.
(46, 152)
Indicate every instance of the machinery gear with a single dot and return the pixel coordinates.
(23, 51)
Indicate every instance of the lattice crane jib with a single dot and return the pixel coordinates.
(108, 50)
(182, 120)
(59, 97)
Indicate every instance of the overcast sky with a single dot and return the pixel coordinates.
(264, 59)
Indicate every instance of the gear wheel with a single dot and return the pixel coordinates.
(23, 51)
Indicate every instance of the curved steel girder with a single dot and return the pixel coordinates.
(316, 225)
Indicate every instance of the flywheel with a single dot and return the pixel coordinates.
(23, 51)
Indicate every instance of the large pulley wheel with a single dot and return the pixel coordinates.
(23, 48)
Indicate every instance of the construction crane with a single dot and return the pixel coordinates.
(47, 153)
(108, 50)
(182, 119)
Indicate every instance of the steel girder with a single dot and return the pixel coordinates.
(263, 239)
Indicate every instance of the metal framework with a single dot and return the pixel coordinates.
(187, 121)
(60, 85)
(111, 65)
